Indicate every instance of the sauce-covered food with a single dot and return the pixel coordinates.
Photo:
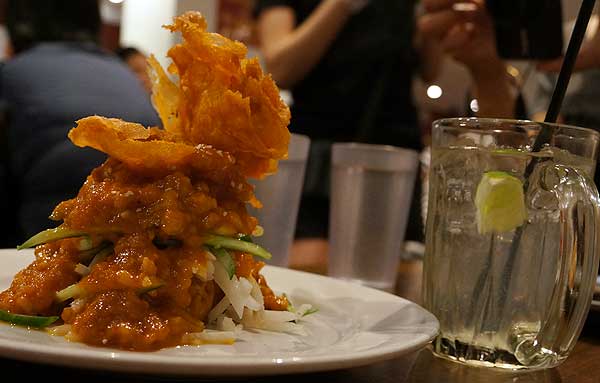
(156, 246)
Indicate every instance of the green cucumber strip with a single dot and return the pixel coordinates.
(101, 255)
(310, 311)
(27, 320)
(81, 269)
(245, 238)
(290, 306)
(85, 243)
(69, 292)
(226, 260)
(218, 241)
(50, 235)
(75, 291)
(144, 290)
(292, 309)
(86, 256)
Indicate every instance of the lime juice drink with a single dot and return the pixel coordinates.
(511, 257)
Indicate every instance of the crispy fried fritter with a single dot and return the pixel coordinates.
(147, 150)
(223, 99)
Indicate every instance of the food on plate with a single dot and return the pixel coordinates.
(156, 248)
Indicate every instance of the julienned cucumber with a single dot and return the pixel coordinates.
(72, 291)
(27, 320)
(145, 290)
(75, 291)
(51, 235)
(101, 255)
(245, 238)
(226, 260)
(87, 256)
(218, 241)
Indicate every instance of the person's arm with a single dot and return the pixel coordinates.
(291, 51)
(494, 91)
(588, 57)
(431, 57)
(468, 36)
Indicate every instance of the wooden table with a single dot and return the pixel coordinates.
(583, 366)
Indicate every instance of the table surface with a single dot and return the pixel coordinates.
(582, 366)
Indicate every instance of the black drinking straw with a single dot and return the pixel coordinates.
(546, 133)
(545, 137)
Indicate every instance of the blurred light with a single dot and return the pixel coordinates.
(474, 105)
(434, 92)
(513, 71)
(464, 6)
(116, 1)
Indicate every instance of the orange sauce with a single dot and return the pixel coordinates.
(142, 296)
(247, 266)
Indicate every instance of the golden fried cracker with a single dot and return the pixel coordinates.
(223, 99)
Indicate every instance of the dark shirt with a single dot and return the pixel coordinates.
(46, 89)
(361, 90)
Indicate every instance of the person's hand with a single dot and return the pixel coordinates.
(462, 29)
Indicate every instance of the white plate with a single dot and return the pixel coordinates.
(354, 326)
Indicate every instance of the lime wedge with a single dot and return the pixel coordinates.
(500, 203)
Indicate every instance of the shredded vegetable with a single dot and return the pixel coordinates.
(226, 260)
(27, 320)
(218, 241)
(55, 234)
(72, 291)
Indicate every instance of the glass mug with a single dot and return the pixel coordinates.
(509, 292)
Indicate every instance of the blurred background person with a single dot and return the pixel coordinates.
(350, 66)
(5, 210)
(5, 46)
(136, 61)
(58, 75)
(467, 35)
(588, 57)
(580, 105)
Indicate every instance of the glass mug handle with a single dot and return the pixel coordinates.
(578, 203)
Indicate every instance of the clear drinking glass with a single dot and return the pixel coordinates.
(280, 195)
(371, 193)
(517, 298)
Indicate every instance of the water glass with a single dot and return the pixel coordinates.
(371, 193)
(280, 195)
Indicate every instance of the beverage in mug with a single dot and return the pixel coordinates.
(512, 248)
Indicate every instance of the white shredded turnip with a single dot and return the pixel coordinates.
(237, 290)
(243, 307)
(218, 309)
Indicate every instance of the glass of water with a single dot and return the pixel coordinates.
(371, 193)
(280, 195)
(512, 241)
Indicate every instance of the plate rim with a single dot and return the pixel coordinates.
(152, 363)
